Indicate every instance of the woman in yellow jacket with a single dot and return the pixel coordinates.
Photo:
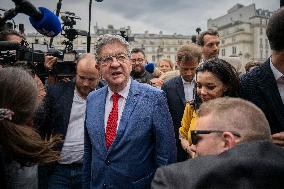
(214, 78)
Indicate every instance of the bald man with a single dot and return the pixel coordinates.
(234, 147)
(64, 108)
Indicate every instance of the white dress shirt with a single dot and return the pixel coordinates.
(73, 146)
(121, 102)
(188, 89)
(279, 79)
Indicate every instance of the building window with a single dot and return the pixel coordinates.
(223, 52)
(168, 56)
(266, 43)
(261, 31)
(223, 42)
(234, 50)
(260, 43)
(261, 54)
(153, 58)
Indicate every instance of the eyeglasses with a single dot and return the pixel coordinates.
(195, 138)
(137, 61)
(106, 60)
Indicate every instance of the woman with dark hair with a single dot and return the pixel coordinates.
(20, 145)
(214, 78)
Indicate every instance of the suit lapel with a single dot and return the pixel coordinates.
(99, 123)
(67, 101)
(269, 88)
(180, 90)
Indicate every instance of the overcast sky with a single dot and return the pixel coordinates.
(169, 16)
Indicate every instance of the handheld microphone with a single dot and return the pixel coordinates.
(48, 25)
(42, 19)
(150, 67)
(6, 45)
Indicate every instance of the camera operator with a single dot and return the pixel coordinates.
(50, 61)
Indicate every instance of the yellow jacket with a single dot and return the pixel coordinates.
(188, 122)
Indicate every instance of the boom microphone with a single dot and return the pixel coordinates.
(150, 67)
(48, 25)
(42, 19)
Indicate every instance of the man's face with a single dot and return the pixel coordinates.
(211, 46)
(208, 144)
(138, 62)
(116, 71)
(187, 69)
(87, 77)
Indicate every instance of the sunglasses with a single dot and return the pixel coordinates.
(195, 138)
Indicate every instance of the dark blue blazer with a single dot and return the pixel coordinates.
(259, 86)
(144, 140)
(53, 118)
(255, 164)
(176, 101)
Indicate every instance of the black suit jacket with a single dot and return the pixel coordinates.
(53, 119)
(176, 101)
(259, 86)
(258, 164)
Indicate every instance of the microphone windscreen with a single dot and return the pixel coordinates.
(49, 25)
(150, 67)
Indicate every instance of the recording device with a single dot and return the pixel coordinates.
(47, 24)
(42, 19)
(66, 63)
(69, 21)
(12, 54)
(150, 67)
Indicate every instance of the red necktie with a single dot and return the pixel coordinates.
(112, 121)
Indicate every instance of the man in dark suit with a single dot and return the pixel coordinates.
(128, 127)
(264, 85)
(64, 114)
(179, 90)
(233, 142)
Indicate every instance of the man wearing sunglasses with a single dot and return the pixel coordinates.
(233, 137)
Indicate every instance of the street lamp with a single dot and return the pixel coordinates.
(89, 31)
(198, 30)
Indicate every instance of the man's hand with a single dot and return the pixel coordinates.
(157, 82)
(278, 138)
(49, 62)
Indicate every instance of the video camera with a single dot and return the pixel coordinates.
(66, 63)
(12, 54)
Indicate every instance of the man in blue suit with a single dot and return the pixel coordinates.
(128, 127)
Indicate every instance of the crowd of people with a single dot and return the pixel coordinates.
(119, 125)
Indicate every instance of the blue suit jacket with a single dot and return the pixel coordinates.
(259, 86)
(144, 140)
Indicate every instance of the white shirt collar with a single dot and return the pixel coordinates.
(275, 72)
(124, 92)
(186, 82)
